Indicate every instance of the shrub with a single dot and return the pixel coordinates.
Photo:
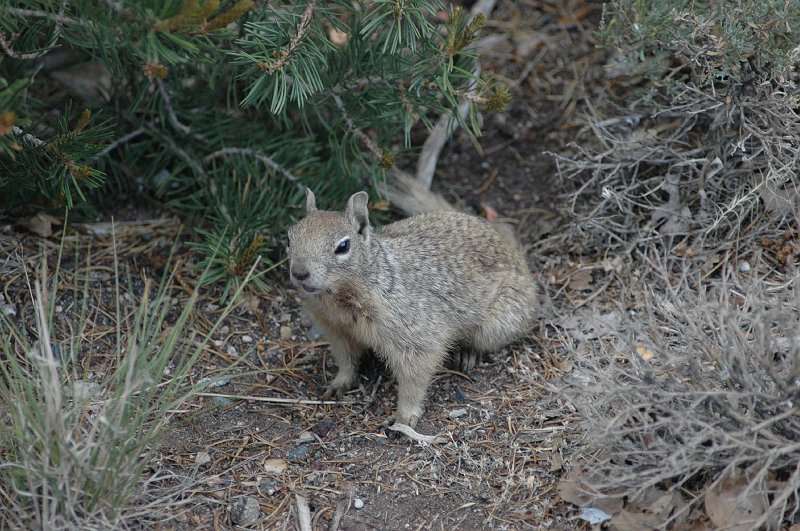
(226, 110)
(695, 395)
(703, 134)
(688, 197)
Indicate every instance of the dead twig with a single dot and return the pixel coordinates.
(447, 124)
(412, 434)
(303, 513)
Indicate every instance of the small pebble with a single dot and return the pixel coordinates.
(215, 381)
(744, 266)
(286, 332)
(458, 396)
(454, 414)
(358, 503)
(218, 343)
(245, 511)
(231, 350)
(247, 339)
(306, 436)
(301, 452)
(225, 330)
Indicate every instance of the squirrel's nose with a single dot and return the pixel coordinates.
(300, 273)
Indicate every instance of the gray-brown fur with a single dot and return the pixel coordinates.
(410, 291)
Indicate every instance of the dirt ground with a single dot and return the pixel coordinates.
(508, 436)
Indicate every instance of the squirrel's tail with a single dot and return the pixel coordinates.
(412, 198)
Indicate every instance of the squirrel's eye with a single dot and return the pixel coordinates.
(343, 246)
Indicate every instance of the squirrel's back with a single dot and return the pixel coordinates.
(470, 245)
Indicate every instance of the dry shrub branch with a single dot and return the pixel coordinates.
(688, 198)
(698, 393)
(706, 164)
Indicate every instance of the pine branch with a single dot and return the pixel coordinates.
(115, 6)
(118, 142)
(173, 118)
(58, 18)
(5, 45)
(198, 170)
(328, 96)
(386, 160)
(356, 84)
(286, 53)
(270, 163)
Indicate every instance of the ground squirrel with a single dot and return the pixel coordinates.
(410, 290)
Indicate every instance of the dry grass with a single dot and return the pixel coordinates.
(96, 361)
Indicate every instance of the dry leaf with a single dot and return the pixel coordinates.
(7, 120)
(338, 37)
(651, 511)
(663, 503)
(569, 491)
(730, 505)
(566, 365)
(275, 466)
(778, 200)
(556, 461)
(41, 224)
(645, 353)
(581, 280)
(594, 515)
(633, 521)
(490, 213)
(250, 302)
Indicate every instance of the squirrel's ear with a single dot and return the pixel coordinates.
(311, 201)
(357, 210)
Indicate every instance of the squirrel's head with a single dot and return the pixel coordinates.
(326, 248)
